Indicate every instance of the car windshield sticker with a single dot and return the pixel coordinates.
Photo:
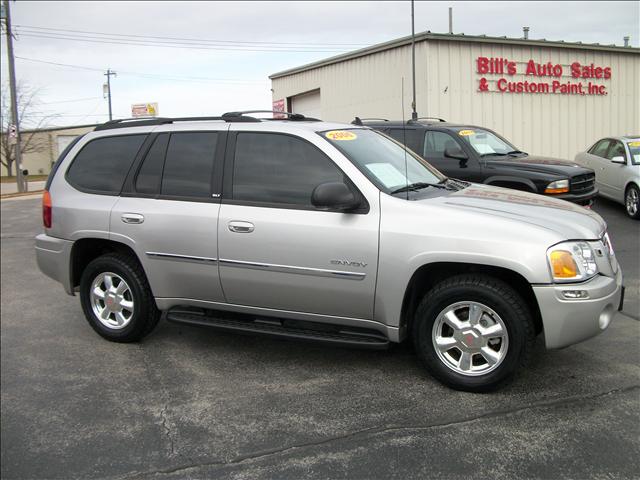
(634, 144)
(466, 133)
(340, 135)
(387, 174)
(483, 148)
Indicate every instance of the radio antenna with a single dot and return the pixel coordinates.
(404, 140)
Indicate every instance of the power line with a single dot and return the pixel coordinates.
(115, 41)
(230, 81)
(198, 40)
(69, 101)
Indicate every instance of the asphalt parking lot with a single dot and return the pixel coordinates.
(200, 404)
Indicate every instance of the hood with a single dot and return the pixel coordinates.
(540, 164)
(570, 221)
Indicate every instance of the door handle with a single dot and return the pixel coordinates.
(132, 218)
(241, 227)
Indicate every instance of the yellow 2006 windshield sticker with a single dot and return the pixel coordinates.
(634, 144)
(340, 135)
(466, 133)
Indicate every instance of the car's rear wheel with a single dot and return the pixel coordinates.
(473, 332)
(632, 201)
(116, 298)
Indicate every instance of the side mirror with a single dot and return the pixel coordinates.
(455, 152)
(334, 195)
(619, 159)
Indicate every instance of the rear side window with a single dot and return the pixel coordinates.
(410, 137)
(279, 169)
(150, 174)
(600, 148)
(102, 164)
(188, 166)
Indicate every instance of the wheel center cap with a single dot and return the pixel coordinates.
(112, 302)
(470, 339)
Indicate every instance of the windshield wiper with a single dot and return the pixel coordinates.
(516, 151)
(494, 154)
(418, 186)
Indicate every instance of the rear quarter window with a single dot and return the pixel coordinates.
(102, 164)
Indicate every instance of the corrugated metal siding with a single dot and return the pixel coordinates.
(447, 83)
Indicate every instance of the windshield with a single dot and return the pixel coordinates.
(382, 159)
(634, 150)
(486, 143)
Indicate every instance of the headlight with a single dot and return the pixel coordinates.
(559, 186)
(572, 262)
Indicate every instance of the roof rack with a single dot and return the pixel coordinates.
(358, 120)
(225, 117)
(428, 118)
(296, 117)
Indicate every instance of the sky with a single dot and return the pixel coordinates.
(206, 58)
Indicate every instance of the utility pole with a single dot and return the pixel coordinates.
(108, 75)
(414, 113)
(14, 98)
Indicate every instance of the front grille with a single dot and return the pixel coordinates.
(583, 183)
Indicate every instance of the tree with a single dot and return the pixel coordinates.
(29, 116)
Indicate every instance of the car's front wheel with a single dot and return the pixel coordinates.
(632, 201)
(116, 298)
(473, 332)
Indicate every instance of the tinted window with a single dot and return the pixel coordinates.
(616, 150)
(282, 169)
(102, 164)
(189, 164)
(600, 149)
(150, 174)
(409, 137)
(435, 144)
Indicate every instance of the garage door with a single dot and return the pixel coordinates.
(308, 104)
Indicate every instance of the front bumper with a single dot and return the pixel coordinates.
(53, 256)
(585, 198)
(566, 322)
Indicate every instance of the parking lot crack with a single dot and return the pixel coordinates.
(167, 429)
(385, 429)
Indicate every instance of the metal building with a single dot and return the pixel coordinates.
(547, 97)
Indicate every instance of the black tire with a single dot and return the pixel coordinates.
(632, 190)
(145, 315)
(493, 293)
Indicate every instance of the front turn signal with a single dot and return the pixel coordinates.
(563, 264)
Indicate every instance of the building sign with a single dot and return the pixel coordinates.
(497, 75)
(278, 106)
(144, 110)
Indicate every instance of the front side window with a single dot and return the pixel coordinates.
(102, 164)
(600, 148)
(435, 143)
(188, 166)
(617, 150)
(279, 169)
(485, 142)
(389, 165)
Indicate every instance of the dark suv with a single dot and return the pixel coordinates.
(480, 155)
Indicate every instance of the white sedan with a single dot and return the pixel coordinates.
(616, 161)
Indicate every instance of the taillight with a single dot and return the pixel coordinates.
(46, 209)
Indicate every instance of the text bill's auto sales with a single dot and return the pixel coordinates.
(545, 78)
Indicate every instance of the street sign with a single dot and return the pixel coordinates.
(144, 110)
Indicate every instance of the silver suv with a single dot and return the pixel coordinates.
(319, 231)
